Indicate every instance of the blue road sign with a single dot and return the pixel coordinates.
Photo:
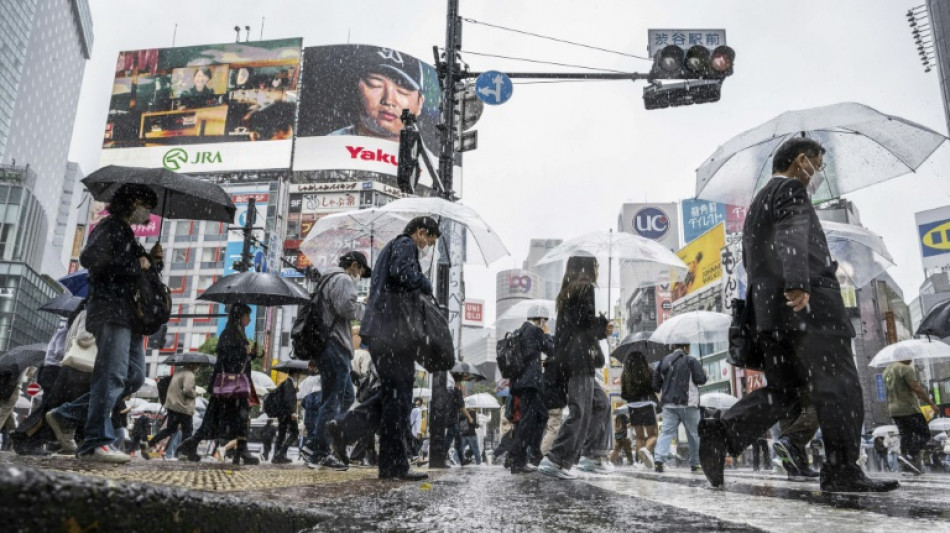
(493, 87)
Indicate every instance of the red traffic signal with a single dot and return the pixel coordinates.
(722, 59)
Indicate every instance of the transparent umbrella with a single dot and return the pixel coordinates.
(864, 147)
(364, 230)
(910, 350)
(262, 380)
(514, 317)
(939, 424)
(149, 389)
(860, 253)
(693, 327)
(717, 400)
(482, 400)
(882, 431)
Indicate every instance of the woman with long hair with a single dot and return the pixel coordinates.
(583, 437)
(227, 417)
(636, 386)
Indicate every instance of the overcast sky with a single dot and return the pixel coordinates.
(559, 159)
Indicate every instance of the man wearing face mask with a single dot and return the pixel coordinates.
(341, 305)
(397, 276)
(802, 329)
(115, 260)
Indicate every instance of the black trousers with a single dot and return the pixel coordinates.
(396, 372)
(761, 456)
(914, 434)
(287, 434)
(268, 444)
(173, 422)
(795, 363)
(530, 427)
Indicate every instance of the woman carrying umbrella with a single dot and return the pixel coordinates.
(577, 355)
(227, 418)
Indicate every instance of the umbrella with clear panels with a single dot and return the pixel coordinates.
(703, 327)
(864, 147)
(860, 253)
(910, 350)
(514, 317)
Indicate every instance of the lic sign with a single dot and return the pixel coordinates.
(651, 223)
(655, 221)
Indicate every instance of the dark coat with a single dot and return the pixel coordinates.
(287, 396)
(579, 330)
(784, 248)
(397, 275)
(268, 432)
(673, 376)
(636, 390)
(533, 342)
(228, 417)
(112, 257)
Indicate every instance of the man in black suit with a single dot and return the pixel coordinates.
(802, 329)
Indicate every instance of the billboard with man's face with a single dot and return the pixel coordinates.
(350, 107)
(207, 108)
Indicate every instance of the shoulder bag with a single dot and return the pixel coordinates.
(232, 385)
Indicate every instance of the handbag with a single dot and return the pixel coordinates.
(80, 358)
(232, 384)
(744, 350)
(436, 351)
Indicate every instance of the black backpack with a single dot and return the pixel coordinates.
(309, 334)
(151, 303)
(271, 404)
(508, 356)
(163, 383)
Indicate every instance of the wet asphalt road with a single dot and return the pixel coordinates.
(171, 496)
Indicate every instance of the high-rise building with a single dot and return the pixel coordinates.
(939, 11)
(550, 273)
(43, 51)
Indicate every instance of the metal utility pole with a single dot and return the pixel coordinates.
(248, 230)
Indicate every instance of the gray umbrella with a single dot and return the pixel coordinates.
(63, 305)
(189, 358)
(293, 365)
(179, 196)
(25, 356)
(254, 288)
(467, 372)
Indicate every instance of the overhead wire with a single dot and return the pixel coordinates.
(483, 54)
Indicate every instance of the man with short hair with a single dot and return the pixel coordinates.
(904, 396)
(397, 277)
(801, 326)
(535, 337)
(677, 379)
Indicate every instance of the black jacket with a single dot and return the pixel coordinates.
(287, 398)
(112, 257)
(579, 330)
(396, 275)
(268, 432)
(784, 248)
(533, 342)
(673, 376)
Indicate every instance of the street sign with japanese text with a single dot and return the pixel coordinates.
(657, 39)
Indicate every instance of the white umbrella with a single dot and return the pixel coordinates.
(514, 317)
(882, 431)
(262, 380)
(864, 147)
(136, 402)
(23, 402)
(717, 400)
(149, 389)
(693, 327)
(482, 400)
(910, 350)
(201, 390)
(308, 385)
(422, 392)
(860, 253)
(150, 407)
(939, 424)
(364, 230)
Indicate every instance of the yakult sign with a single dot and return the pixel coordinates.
(658, 222)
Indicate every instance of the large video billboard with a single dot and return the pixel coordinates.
(351, 103)
(704, 259)
(209, 108)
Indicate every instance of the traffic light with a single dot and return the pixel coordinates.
(673, 62)
(407, 169)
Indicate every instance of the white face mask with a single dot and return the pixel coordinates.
(140, 215)
(815, 178)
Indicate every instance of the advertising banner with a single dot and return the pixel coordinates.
(207, 108)
(99, 212)
(700, 216)
(235, 245)
(474, 313)
(664, 301)
(704, 260)
(658, 222)
(933, 230)
(733, 285)
(351, 103)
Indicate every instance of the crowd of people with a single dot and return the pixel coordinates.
(558, 416)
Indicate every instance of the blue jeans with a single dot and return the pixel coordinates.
(672, 418)
(119, 371)
(472, 442)
(337, 393)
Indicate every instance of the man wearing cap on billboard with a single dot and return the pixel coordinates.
(389, 82)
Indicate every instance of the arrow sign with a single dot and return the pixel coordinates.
(493, 88)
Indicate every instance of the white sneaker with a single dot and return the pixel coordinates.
(777, 466)
(548, 468)
(587, 464)
(105, 454)
(604, 466)
(64, 435)
(646, 457)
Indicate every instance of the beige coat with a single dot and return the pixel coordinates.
(181, 392)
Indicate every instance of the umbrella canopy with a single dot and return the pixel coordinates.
(482, 400)
(939, 424)
(262, 380)
(25, 356)
(717, 400)
(937, 321)
(148, 407)
(308, 385)
(910, 350)
(422, 392)
(188, 358)
(364, 230)
(634, 261)
(23, 402)
(514, 317)
(693, 327)
(149, 389)
(860, 253)
(77, 283)
(179, 196)
(467, 372)
(63, 305)
(255, 288)
(639, 342)
(864, 147)
(882, 431)
(292, 365)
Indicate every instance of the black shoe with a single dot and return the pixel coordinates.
(188, 450)
(658, 467)
(338, 441)
(852, 479)
(408, 476)
(712, 450)
(243, 455)
(280, 459)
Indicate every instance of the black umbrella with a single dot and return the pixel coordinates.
(639, 342)
(937, 321)
(190, 358)
(255, 288)
(467, 372)
(63, 305)
(293, 365)
(25, 356)
(179, 196)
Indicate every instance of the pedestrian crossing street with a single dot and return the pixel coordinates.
(772, 503)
